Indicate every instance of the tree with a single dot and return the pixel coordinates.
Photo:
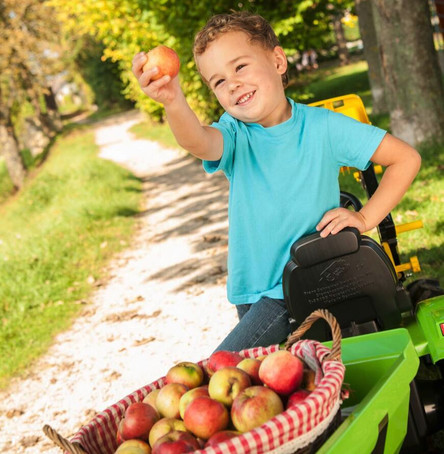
(412, 77)
(371, 53)
(25, 62)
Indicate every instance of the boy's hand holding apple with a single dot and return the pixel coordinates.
(157, 72)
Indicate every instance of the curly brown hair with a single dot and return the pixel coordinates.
(255, 26)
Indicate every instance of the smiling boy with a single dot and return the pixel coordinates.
(282, 160)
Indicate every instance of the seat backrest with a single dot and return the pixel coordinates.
(348, 274)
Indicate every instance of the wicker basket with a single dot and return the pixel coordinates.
(300, 429)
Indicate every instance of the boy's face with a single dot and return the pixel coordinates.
(246, 78)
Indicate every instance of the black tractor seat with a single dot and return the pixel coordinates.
(350, 275)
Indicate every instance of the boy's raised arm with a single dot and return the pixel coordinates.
(202, 141)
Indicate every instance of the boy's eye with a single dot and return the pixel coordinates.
(239, 67)
(218, 82)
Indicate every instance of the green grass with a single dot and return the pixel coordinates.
(68, 220)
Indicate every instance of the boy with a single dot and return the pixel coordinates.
(282, 160)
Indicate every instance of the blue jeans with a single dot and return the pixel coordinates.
(261, 324)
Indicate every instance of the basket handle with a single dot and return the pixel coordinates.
(335, 353)
(72, 448)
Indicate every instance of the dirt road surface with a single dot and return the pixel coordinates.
(161, 301)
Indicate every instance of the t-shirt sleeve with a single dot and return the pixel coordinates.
(352, 142)
(227, 127)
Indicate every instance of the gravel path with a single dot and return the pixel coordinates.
(161, 301)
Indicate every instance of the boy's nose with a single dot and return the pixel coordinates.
(233, 84)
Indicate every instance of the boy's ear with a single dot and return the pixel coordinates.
(280, 60)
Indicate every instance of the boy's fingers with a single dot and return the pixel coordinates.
(138, 61)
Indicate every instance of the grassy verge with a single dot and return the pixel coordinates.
(55, 237)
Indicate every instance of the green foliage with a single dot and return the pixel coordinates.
(103, 76)
(60, 230)
(130, 26)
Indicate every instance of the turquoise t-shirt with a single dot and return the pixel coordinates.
(282, 181)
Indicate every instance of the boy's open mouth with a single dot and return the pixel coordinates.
(245, 98)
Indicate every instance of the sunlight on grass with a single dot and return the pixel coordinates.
(54, 240)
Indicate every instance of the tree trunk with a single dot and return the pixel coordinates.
(52, 110)
(343, 54)
(413, 85)
(371, 54)
(12, 156)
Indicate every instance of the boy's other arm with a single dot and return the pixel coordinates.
(402, 163)
(202, 141)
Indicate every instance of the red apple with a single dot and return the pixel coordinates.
(163, 427)
(221, 359)
(205, 416)
(137, 422)
(254, 406)
(191, 395)
(166, 60)
(296, 397)
(168, 399)
(251, 367)
(189, 374)
(220, 437)
(282, 372)
(227, 383)
(133, 447)
(176, 442)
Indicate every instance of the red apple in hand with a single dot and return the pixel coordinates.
(296, 397)
(227, 383)
(220, 437)
(168, 399)
(254, 406)
(163, 427)
(133, 447)
(251, 367)
(282, 372)
(176, 442)
(205, 416)
(190, 396)
(221, 359)
(189, 374)
(138, 420)
(166, 61)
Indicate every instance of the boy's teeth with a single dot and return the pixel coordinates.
(245, 98)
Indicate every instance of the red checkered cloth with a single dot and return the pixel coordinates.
(287, 432)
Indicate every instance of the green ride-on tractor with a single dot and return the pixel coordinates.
(393, 335)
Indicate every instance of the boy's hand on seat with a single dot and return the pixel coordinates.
(163, 90)
(337, 219)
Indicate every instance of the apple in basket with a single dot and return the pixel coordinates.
(133, 447)
(205, 416)
(191, 395)
(168, 399)
(225, 384)
(221, 359)
(297, 397)
(163, 427)
(254, 406)
(166, 60)
(151, 398)
(176, 442)
(251, 367)
(189, 374)
(220, 437)
(137, 422)
(282, 372)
